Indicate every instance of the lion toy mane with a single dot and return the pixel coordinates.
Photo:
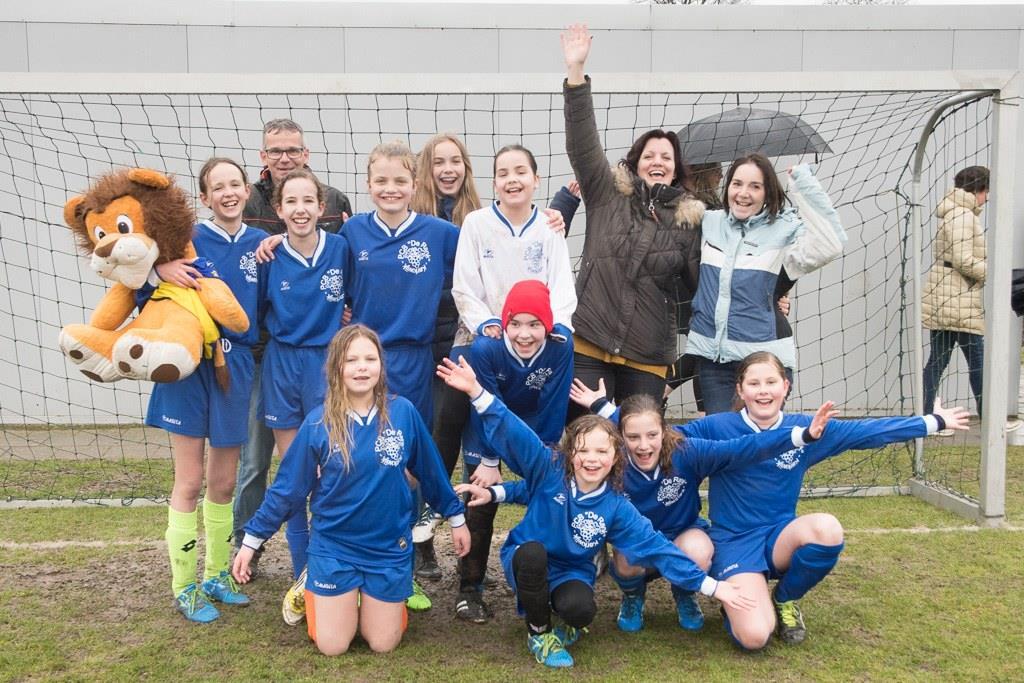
(127, 222)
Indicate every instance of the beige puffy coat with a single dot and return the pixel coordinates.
(956, 281)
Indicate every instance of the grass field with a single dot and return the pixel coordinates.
(917, 595)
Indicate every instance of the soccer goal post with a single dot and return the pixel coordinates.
(858, 337)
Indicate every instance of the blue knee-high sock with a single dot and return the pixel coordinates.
(634, 586)
(810, 564)
(297, 533)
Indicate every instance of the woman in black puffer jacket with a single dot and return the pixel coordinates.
(643, 229)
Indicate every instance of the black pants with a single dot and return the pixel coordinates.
(480, 522)
(451, 413)
(619, 381)
(573, 601)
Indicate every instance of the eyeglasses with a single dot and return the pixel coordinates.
(292, 152)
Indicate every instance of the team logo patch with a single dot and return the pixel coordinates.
(789, 459)
(415, 256)
(534, 257)
(560, 499)
(538, 377)
(588, 529)
(670, 490)
(332, 284)
(247, 264)
(285, 285)
(389, 447)
(488, 253)
(364, 255)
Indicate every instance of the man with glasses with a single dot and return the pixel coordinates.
(283, 151)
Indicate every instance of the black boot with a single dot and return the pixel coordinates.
(426, 566)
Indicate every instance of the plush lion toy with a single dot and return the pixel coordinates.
(129, 221)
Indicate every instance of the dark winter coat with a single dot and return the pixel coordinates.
(638, 239)
(260, 213)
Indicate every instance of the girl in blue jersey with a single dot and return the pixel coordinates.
(197, 409)
(350, 458)
(573, 507)
(744, 247)
(754, 526)
(304, 295)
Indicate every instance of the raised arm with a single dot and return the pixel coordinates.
(582, 142)
(822, 237)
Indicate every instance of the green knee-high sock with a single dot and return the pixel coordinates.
(219, 521)
(181, 546)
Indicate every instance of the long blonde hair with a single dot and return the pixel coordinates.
(427, 193)
(336, 401)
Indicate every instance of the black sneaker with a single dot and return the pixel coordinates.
(470, 606)
(789, 621)
(426, 561)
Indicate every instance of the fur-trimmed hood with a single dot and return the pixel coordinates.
(688, 210)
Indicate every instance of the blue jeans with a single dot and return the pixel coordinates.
(942, 342)
(253, 464)
(718, 384)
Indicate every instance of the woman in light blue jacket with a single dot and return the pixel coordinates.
(744, 247)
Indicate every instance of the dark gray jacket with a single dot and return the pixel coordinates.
(638, 239)
(259, 210)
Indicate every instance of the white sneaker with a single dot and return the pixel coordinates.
(423, 530)
(293, 607)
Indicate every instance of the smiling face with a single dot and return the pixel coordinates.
(360, 369)
(290, 150)
(746, 192)
(226, 194)
(643, 437)
(300, 208)
(592, 459)
(448, 168)
(526, 332)
(657, 163)
(391, 186)
(515, 181)
(763, 389)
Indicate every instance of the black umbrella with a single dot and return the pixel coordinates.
(731, 134)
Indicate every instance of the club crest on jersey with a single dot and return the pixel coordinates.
(789, 459)
(415, 256)
(332, 285)
(389, 446)
(247, 264)
(538, 377)
(670, 490)
(588, 529)
(534, 257)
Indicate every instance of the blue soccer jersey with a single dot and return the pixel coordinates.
(235, 259)
(765, 494)
(396, 277)
(573, 525)
(535, 389)
(360, 514)
(305, 297)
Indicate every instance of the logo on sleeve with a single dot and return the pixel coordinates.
(670, 490)
(588, 529)
(332, 285)
(247, 264)
(537, 378)
(789, 459)
(389, 447)
(414, 256)
(534, 257)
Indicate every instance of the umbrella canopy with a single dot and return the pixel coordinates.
(731, 134)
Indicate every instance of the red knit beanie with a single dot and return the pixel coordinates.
(528, 296)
